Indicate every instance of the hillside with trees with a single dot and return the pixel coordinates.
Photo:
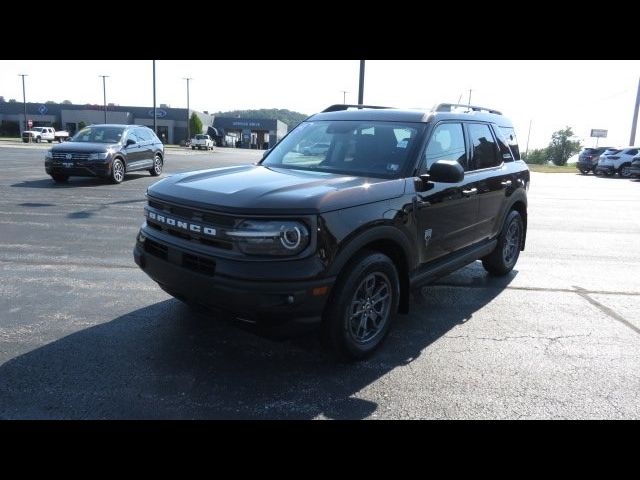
(287, 116)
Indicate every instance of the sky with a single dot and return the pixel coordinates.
(551, 94)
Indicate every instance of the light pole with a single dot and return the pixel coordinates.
(634, 123)
(104, 93)
(24, 101)
(526, 152)
(188, 126)
(155, 129)
(361, 86)
(344, 96)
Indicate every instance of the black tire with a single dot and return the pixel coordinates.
(583, 171)
(37, 139)
(117, 171)
(504, 257)
(50, 141)
(624, 170)
(193, 148)
(156, 170)
(58, 178)
(356, 338)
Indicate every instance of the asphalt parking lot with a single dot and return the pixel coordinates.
(85, 334)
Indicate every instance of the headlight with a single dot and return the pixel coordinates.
(98, 156)
(48, 155)
(271, 237)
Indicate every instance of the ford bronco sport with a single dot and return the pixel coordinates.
(341, 236)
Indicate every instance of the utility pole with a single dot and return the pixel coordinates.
(361, 87)
(344, 96)
(634, 124)
(104, 93)
(155, 129)
(24, 102)
(188, 126)
(526, 152)
(469, 97)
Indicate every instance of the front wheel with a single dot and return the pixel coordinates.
(117, 171)
(363, 305)
(156, 170)
(625, 171)
(504, 257)
(37, 139)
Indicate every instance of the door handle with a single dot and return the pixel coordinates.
(468, 193)
(506, 183)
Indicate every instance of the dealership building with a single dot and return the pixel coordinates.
(171, 123)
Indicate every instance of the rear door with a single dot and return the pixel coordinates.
(446, 214)
(146, 148)
(490, 175)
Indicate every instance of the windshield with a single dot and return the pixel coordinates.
(99, 135)
(201, 137)
(361, 148)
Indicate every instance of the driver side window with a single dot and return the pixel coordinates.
(446, 143)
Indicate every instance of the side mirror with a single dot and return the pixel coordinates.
(131, 141)
(445, 171)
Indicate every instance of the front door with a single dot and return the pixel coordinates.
(447, 213)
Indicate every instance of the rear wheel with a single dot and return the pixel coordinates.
(363, 305)
(504, 257)
(37, 139)
(117, 171)
(157, 166)
(59, 178)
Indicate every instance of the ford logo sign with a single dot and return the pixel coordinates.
(68, 156)
(160, 113)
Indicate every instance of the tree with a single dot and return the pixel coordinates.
(2, 100)
(195, 124)
(66, 102)
(12, 100)
(50, 102)
(562, 147)
(538, 156)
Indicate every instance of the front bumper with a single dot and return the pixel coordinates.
(80, 168)
(193, 278)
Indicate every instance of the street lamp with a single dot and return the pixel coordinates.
(155, 127)
(24, 101)
(188, 126)
(104, 93)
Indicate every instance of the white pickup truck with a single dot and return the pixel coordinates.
(201, 141)
(40, 134)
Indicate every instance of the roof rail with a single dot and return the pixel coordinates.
(448, 107)
(340, 106)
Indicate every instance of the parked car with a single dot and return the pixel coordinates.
(634, 170)
(406, 197)
(316, 149)
(616, 160)
(108, 151)
(202, 141)
(588, 159)
(40, 134)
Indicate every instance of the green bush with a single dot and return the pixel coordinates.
(195, 124)
(538, 156)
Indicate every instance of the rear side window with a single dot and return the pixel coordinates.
(632, 151)
(142, 134)
(505, 152)
(446, 143)
(485, 150)
(510, 135)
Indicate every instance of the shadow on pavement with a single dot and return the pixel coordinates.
(75, 182)
(165, 361)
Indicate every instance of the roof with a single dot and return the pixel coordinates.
(343, 112)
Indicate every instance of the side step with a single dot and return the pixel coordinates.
(442, 267)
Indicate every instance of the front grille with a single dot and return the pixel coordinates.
(74, 155)
(215, 221)
(156, 249)
(198, 264)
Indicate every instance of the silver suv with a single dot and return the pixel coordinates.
(616, 160)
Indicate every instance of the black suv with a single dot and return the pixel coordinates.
(588, 159)
(341, 236)
(106, 151)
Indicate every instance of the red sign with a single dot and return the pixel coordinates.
(30, 123)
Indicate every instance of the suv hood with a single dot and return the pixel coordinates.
(254, 188)
(83, 147)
